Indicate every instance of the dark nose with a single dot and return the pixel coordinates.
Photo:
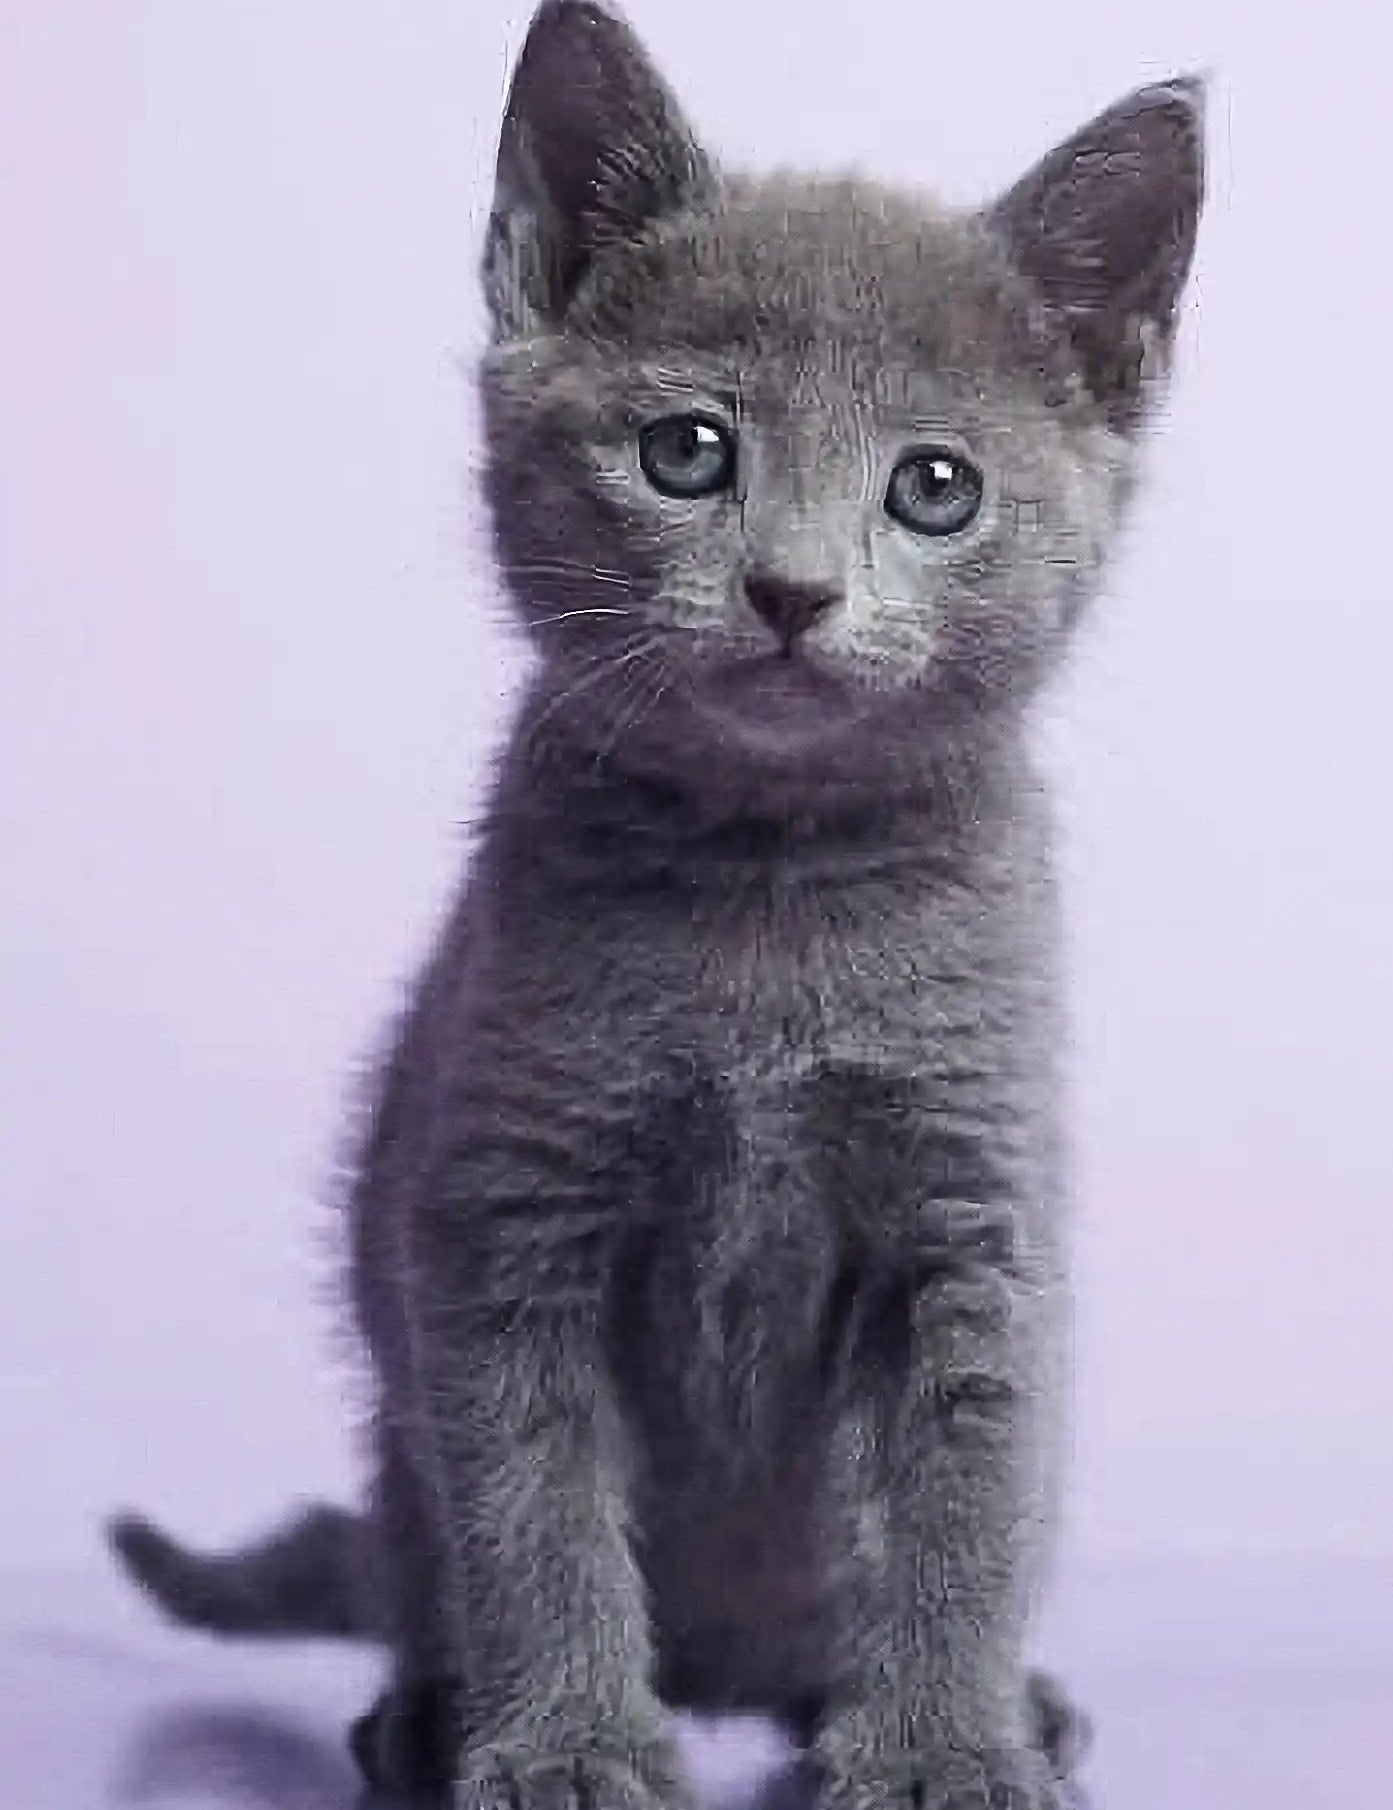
(789, 609)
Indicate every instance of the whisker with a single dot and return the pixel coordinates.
(559, 568)
(600, 666)
(568, 615)
(631, 717)
(664, 686)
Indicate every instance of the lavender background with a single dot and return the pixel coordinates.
(251, 664)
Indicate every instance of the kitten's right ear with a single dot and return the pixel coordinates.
(593, 149)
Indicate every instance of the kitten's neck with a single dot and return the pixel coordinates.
(609, 811)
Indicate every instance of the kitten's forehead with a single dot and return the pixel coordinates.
(838, 278)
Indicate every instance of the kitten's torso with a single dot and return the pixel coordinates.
(616, 953)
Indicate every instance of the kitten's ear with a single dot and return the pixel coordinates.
(593, 149)
(1104, 228)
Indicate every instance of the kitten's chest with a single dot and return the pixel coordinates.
(798, 1026)
(781, 983)
(785, 1010)
(784, 1151)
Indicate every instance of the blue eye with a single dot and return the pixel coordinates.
(687, 455)
(934, 491)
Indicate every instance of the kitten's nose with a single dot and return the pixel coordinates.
(790, 609)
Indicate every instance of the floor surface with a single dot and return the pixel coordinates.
(1252, 1687)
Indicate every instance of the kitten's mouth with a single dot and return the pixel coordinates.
(773, 697)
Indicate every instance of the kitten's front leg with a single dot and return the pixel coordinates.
(511, 1418)
(946, 1459)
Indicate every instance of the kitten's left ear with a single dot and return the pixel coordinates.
(1104, 229)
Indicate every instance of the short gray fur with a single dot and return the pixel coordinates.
(709, 1234)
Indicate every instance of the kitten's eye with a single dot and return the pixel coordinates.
(687, 455)
(934, 492)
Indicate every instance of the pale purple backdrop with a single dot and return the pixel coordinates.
(250, 665)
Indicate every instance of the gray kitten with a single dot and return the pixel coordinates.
(708, 1238)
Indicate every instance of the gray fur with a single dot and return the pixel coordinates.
(304, 1579)
(709, 1236)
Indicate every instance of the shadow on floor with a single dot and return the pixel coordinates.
(253, 1757)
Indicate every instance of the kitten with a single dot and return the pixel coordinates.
(708, 1239)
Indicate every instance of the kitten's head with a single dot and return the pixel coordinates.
(795, 476)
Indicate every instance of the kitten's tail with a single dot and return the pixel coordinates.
(307, 1579)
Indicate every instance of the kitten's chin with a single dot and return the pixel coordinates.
(773, 705)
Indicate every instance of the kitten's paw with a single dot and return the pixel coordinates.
(947, 1778)
(408, 1742)
(528, 1780)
